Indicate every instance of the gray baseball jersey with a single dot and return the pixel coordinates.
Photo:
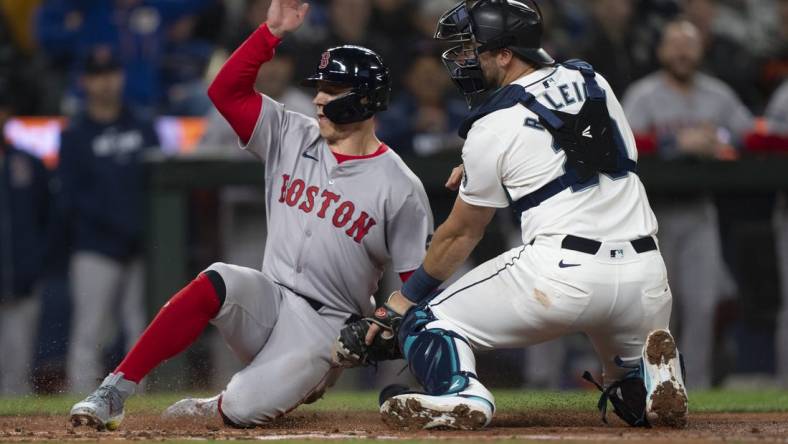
(777, 117)
(332, 228)
(777, 111)
(653, 106)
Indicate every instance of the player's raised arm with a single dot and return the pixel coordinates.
(232, 91)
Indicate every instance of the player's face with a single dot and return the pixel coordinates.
(104, 87)
(493, 74)
(681, 50)
(327, 92)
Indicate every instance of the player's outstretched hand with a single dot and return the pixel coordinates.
(455, 178)
(286, 16)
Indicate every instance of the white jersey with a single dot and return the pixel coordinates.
(508, 155)
(615, 292)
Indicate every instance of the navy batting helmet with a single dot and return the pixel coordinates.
(362, 70)
(486, 25)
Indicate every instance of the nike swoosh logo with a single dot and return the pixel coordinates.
(563, 265)
(309, 156)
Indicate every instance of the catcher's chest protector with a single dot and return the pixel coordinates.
(590, 139)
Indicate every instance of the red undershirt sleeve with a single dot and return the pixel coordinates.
(646, 143)
(405, 275)
(232, 91)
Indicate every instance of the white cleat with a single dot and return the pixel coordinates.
(194, 407)
(103, 409)
(419, 411)
(666, 396)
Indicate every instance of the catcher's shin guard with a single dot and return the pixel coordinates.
(439, 358)
(442, 361)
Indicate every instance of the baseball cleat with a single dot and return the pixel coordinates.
(194, 407)
(103, 409)
(420, 411)
(391, 391)
(666, 396)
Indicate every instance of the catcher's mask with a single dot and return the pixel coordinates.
(477, 26)
(362, 70)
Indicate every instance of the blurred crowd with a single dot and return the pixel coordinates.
(698, 79)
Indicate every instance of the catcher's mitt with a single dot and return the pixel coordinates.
(350, 349)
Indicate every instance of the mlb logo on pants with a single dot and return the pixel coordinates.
(616, 254)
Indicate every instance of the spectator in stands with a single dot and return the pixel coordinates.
(427, 15)
(774, 68)
(777, 111)
(424, 118)
(350, 21)
(777, 120)
(101, 174)
(253, 13)
(393, 20)
(135, 30)
(771, 134)
(393, 17)
(617, 48)
(182, 68)
(680, 112)
(24, 221)
(18, 63)
(724, 57)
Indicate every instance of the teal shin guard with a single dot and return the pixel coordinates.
(440, 358)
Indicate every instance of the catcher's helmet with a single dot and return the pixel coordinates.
(361, 69)
(490, 24)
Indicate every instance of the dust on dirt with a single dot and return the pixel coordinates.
(540, 425)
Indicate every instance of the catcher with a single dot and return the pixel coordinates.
(552, 143)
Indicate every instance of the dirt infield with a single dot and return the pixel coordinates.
(536, 426)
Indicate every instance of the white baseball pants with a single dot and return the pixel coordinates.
(538, 292)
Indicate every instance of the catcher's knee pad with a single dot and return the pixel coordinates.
(435, 354)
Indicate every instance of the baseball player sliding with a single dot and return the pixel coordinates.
(552, 143)
(341, 205)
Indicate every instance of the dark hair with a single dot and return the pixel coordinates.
(533, 64)
(101, 60)
(676, 20)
